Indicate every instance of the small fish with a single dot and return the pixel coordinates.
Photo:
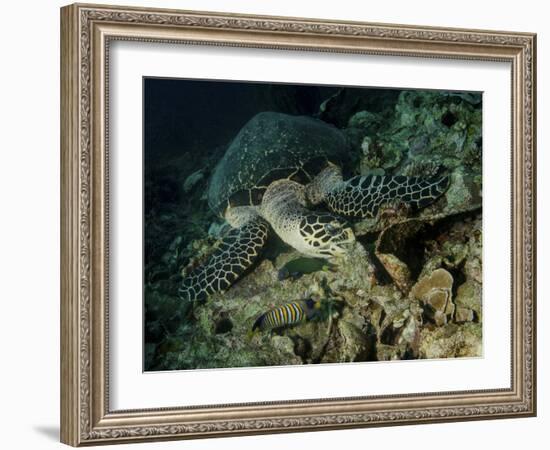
(287, 314)
(300, 266)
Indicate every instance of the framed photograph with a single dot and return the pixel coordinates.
(274, 224)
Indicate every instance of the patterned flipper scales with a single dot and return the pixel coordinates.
(362, 197)
(236, 253)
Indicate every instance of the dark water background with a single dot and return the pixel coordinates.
(190, 116)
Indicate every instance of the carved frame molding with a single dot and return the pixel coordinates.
(86, 32)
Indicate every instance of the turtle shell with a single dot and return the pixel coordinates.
(270, 147)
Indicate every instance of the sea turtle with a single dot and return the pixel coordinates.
(277, 174)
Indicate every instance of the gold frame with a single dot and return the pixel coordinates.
(86, 31)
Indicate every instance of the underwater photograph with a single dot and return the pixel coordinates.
(291, 224)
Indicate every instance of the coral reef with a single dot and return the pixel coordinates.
(410, 287)
(435, 293)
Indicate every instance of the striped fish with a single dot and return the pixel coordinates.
(287, 314)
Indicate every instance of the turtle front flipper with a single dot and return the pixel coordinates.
(362, 196)
(236, 253)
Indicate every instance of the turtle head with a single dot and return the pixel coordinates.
(324, 235)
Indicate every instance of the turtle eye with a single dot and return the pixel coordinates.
(333, 228)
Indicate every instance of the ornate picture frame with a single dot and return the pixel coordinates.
(87, 31)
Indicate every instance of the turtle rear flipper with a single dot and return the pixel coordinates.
(237, 252)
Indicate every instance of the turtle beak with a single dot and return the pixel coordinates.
(341, 233)
(337, 246)
(347, 236)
